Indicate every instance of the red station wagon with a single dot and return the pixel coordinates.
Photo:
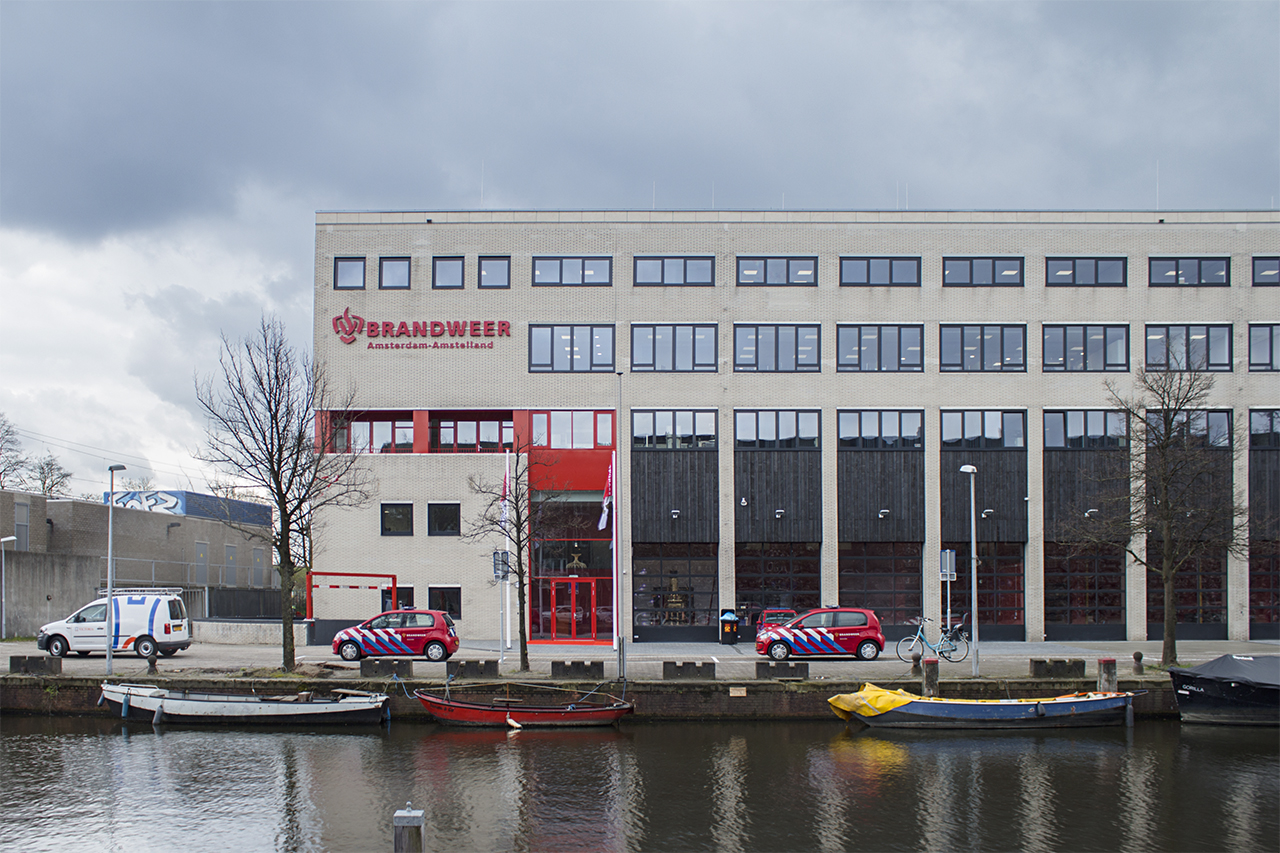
(846, 631)
(425, 633)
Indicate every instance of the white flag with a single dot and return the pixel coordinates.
(608, 499)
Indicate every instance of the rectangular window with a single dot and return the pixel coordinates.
(1196, 427)
(570, 349)
(666, 429)
(446, 598)
(572, 430)
(447, 273)
(1086, 272)
(795, 272)
(673, 349)
(1264, 347)
(982, 348)
(573, 271)
(381, 432)
(470, 433)
(982, 272)
(1086, 348)
(776, 430)
(1189, 272)
(1085, 429)
(393, 274)
(686, 272)
(879, 272)
(873, 348)
(1264, 429)
(776, 349)
(1189, 348)
(21, 526)
(444, 519)
(881, 430)
(984, 430)
(348, 273)
(495, 272)
(1266, 272)
(397, 519)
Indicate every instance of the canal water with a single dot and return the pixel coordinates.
(68, 784)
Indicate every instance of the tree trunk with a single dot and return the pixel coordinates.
(1169, 651)
(524, 634)
(286, 617)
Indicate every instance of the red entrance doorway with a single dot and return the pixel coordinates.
(574, 604)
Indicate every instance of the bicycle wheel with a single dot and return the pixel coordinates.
(907, 645)
(959, 652)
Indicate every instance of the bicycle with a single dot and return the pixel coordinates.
(953, 646)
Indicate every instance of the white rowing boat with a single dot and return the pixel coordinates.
(159, 705)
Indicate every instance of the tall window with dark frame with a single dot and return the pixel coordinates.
(1266, 272)
(447, 273)
(397, 519)
(1264, 347)
(982, 348)
(1086, 348)
(570, 349)
(1085, 429)
(871, 429)
(877, 348)
(1201, 427)
(1264, 552)
(348, 273)
(771, 429)
(678, 348)
(495, 272)
(793, 272)
(1086, 272)
(673, 429)
(573, 271)
(880, 272)
(393, 273)
(1189, 272)
(1178, 348)
(777, 349)
(583, 429)
(982, 272)
(674, 271)
(444, 519)
(984, 430)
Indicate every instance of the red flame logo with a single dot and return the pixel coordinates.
(347, 326)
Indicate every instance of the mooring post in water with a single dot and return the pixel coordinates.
(1107, 675)
(930, 685)
(409, 834)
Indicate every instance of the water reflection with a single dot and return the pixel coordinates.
(759, 786)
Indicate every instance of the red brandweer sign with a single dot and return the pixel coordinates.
(348, 327)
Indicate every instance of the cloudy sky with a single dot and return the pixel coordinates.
(161, 162)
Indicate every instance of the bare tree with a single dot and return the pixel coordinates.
(1175, 486)
(12, 462)
(138, 484)
(47, 476)
(262, 435)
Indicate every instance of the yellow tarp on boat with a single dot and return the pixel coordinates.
(870, 701)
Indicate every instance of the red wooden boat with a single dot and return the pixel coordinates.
(514, 713)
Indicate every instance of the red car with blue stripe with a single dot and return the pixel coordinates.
(418, 633)
(834, 631)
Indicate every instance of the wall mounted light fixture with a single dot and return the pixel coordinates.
(778, 513)
(986, 513)
(1088, 513)
(743, 501)
(675, 513)
(882, 513)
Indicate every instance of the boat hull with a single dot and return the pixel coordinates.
(157, 705)
(456, 713)
(900, 710)
(1224, 702)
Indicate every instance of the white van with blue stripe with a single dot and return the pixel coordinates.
(146, 620)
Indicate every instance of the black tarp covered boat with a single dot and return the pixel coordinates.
(1234, 690)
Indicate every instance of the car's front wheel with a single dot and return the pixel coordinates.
(435, 652)
(350, 650)
(868, 650)
(58, 646)
(779, 650)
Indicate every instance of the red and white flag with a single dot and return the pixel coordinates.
(608, 499)
(506, 492)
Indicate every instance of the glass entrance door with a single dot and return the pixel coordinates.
(573, 603)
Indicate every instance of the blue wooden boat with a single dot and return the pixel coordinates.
(899, 709)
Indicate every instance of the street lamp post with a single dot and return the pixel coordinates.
(4, 602)
(973, 562)
(111, 561)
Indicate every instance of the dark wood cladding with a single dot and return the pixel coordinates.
(868, 481)
(1076, 481)
(663, 480)
(1001, 485)
(771, 480)
(1264, 494)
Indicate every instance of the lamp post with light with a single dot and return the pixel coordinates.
(111, 561)
(973, 561)
(4, 601)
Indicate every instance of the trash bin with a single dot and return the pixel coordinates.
(728, 628)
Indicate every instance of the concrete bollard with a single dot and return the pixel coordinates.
(915, 665)
(151, 664)
(410, 834)
(1107, 680)
(929, 686)
(1137, 663)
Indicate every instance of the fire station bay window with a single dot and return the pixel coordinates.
(1189, 348)
(570, 349)
(471, 433)
(1091, 429)
(1085, 272)
(382, 433)
(348, 273)
(690, 272)
(673, 430)
(1266, 272)
(982, 348)
(871, 348)
(1264, 429)
(397, 519)
(1189, 272)
(393, 273)
(444, 519)
(776, 349)
(874, 272)
(1199, 427)
(982, 272)
(802, 272)
(984, 430)
(573, 271)
(881, 430)
(1264, 347)
(676, 348)
(776, 430)
(581, 430)
(1086, 348)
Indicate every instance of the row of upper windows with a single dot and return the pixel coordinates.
(787, 348)
(449, 272)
